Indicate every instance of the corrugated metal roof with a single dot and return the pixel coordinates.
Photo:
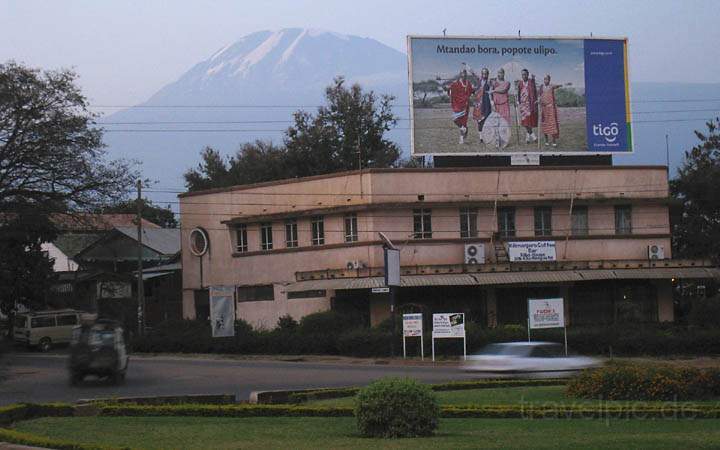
(165, 241)
(505, 278)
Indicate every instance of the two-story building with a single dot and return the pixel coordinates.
(601, 239)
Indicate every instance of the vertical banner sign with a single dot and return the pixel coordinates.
(546, 313)
(535, 95)
(222, 311)
(447, 326)
(413, 327)
(392, 267)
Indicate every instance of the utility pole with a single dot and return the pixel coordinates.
(140, 287)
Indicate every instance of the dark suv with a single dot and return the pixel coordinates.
(98, 349)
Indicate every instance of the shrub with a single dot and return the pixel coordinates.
(705, 312)
(287, 323)
(396, 407)
(366, 342)
(646, 383)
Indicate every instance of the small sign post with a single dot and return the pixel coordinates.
(413, 327)
(547, 313)
(449, 326)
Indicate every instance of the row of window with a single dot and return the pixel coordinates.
(422, 226)
(291, 233)
(422, 221)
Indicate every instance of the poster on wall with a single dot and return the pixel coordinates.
(490, 95)
(222, 311)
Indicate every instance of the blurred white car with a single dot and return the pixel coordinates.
(528, 359)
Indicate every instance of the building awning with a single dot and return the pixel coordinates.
(148, 276)
(510, 278)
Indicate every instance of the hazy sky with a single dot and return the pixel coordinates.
(124, 51)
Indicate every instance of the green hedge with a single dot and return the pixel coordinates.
(561, 410)
(27, 411)
(328, 393)
(330, 332)
(16, 437)
(242, 410)
(646, 383)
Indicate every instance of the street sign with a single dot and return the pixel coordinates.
(380, 290)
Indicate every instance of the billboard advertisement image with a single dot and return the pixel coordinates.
(472, 95)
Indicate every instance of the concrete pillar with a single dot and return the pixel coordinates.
(666, 309)
(379, 308)
(188, 304)
(491, 307)
(565, 294)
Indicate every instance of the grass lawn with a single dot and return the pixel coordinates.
(340, 433)
(537, 395)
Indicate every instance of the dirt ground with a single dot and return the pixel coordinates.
(435, 132)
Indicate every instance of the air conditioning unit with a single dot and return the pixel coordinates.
(656, 251)
(474, 254)
(355, 264)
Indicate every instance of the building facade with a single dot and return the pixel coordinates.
(475, 240)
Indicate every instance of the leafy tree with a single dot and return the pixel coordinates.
(316, 144)
(254, 162)
(26, 272)
(352, 120)
(52, 154)
(697, 233)
(155, 214)
(51, 161)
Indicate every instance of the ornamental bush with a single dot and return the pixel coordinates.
(646, 383)
(396, 407)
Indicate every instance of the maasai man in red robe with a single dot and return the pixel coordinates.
(483, 107)
(548, 107)
(501, 97)
(527, 104)
(460, 91)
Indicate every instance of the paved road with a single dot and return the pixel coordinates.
(35, 377)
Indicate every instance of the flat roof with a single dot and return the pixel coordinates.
(243, 187)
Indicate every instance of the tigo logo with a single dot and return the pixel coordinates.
(610, 132)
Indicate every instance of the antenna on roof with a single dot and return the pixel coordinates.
(444, 30)
(519, 37)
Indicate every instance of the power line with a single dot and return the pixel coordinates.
(236, 122)
(230, 106)
(232, 130)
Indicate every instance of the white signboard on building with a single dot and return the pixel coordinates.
(546, 313)
(412, 325)
(222, 311)
(531, 251)
(450, 325)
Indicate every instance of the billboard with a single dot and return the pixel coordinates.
(495, 95)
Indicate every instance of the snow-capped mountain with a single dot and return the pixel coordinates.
(231, 90)
(270, 65)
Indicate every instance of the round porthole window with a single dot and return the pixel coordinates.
(199, 242)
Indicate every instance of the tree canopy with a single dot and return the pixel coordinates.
(346, 133)
(52, 161)
(696, 187)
